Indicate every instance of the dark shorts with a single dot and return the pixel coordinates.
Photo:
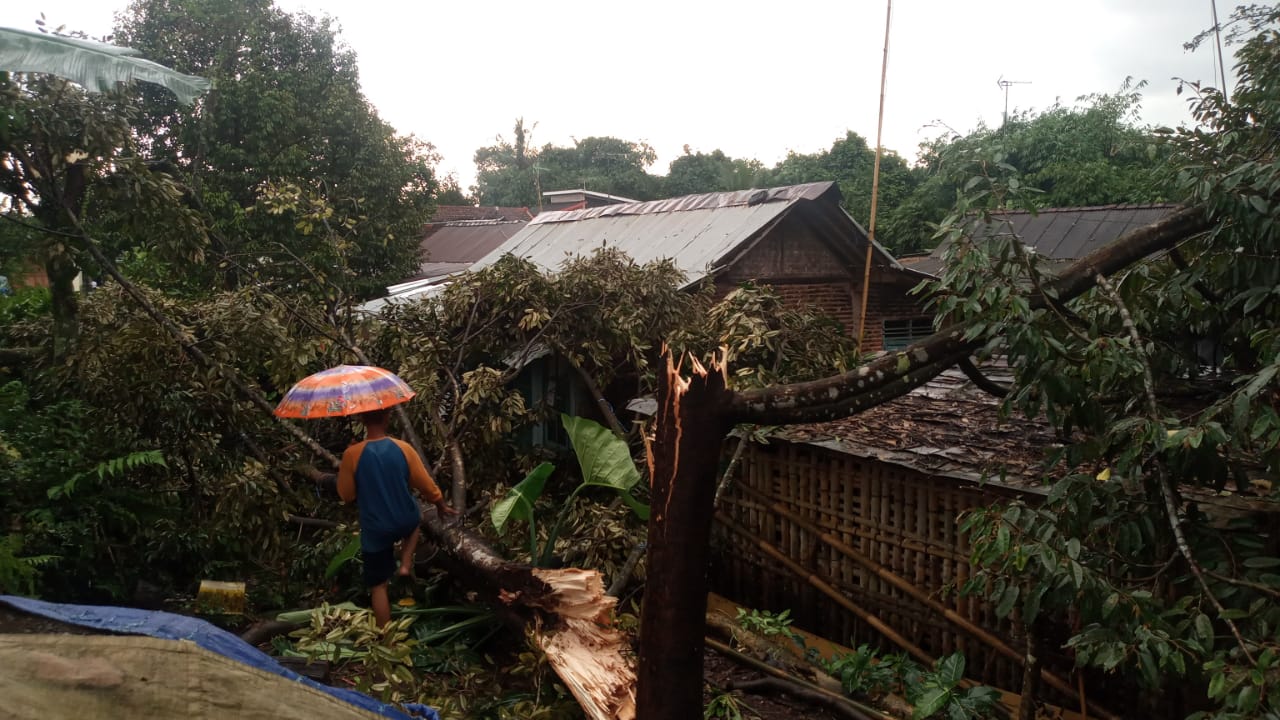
(379, 566)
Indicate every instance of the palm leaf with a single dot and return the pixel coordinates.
(97, 66)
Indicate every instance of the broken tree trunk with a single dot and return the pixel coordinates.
(568, 609)
(692, 420)
(694, 415)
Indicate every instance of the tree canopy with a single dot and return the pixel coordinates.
(287, 111)
(511, 173)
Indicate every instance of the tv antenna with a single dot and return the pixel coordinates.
(1005, 84)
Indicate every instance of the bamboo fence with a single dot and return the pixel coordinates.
(802, 525)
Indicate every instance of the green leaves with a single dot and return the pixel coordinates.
(938, 693)
(605, 459)
(519, 502)
(344, 556)
(933, 700)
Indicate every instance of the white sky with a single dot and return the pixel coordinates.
(754, 79)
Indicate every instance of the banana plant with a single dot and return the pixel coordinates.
(518, 504)
(606, 462)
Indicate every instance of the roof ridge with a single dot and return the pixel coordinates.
(696, 201)
(1090, 208)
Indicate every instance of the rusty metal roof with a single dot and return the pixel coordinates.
(453, 246)
(947, 428)
(1061, 234)
(701, 233)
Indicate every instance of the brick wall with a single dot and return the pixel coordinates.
(888, 300)
(790, 252)
(29, 277)
(806, 273)
(834, 299)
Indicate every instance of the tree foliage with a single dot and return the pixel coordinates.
(512, 173)
(698, 172)
(286, 109)
(1165, 382)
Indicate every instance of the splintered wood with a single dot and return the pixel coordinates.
(587, 652)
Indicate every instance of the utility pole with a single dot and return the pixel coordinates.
(1004, 84)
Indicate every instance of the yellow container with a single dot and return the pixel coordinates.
(225, 598)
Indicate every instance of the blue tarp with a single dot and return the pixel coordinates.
(168, 626)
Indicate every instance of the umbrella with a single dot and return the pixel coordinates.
(344, 390)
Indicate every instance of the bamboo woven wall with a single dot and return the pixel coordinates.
(901, 519)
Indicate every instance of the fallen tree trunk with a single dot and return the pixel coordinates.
(568, 609)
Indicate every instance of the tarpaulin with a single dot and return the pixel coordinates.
(172, 627)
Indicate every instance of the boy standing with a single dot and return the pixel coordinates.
(380, 470)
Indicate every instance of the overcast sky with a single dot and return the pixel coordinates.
(754, 79)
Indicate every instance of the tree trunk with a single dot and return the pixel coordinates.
(1030, 677)
(691, 423)
(568, 609)
(63, 301)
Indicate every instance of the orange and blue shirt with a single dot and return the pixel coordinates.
(380, 473)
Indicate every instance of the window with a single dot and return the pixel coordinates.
(900, 333)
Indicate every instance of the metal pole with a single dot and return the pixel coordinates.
(875, 180)
(1217, 36)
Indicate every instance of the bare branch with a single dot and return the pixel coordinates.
(1167, 491)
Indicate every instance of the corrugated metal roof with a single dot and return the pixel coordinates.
(701, 233)
(946, 427)
(587, 194)
(1062, 233)
(462, 242)
(406, 292)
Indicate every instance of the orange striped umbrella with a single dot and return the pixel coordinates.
(344, 390)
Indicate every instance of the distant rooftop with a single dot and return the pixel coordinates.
(1061, 234)
(702, 233)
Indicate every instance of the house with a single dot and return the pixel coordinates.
(456, 237)
(889, 483)
(797, 239)
(560, 200)
(1062, 235)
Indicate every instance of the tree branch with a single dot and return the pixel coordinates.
(983, 382)
(188, 345)
(594, 389)
(864, 387)
(1167, 491)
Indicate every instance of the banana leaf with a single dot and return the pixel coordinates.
(97, 66)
